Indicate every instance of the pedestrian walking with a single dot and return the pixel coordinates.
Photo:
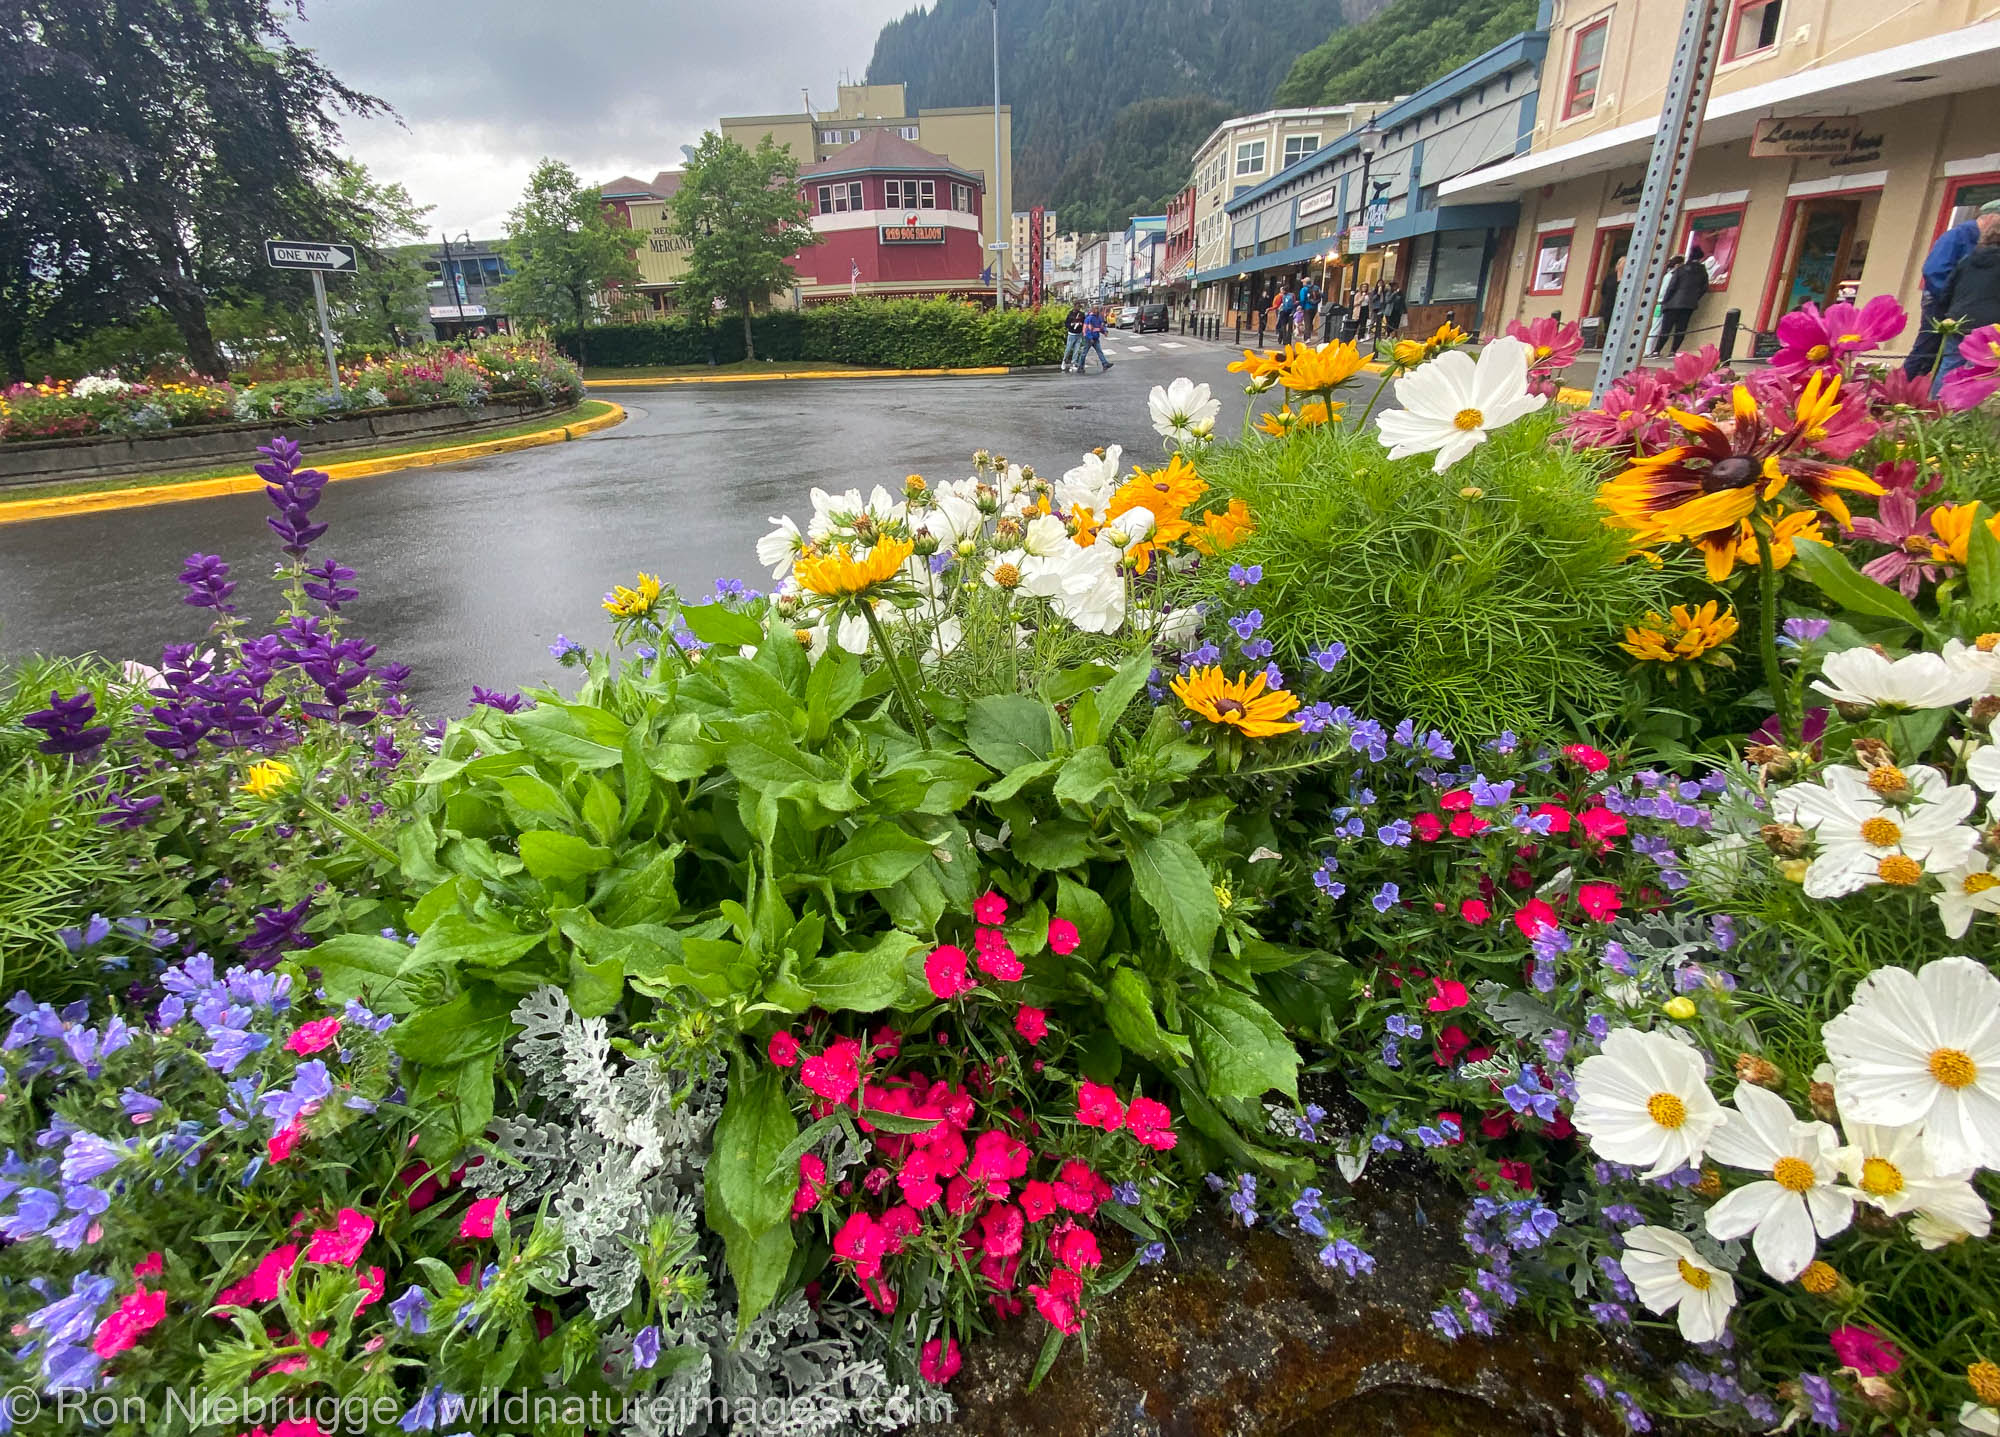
(1309, 298)
(1073, 338)
(1940, 265)
(1288, 314)
(1363, 317)
(1607, 289)
(1678, 300)
(1394, 307)
(1093, 338)
(1972, 298)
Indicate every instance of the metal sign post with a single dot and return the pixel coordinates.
(1654, 226)
(318, 257)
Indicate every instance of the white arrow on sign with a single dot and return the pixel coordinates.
(308, 254)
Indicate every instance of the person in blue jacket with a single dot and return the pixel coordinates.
(1939, 266)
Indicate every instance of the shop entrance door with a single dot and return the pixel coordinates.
(1612, 246)
(1823, 243)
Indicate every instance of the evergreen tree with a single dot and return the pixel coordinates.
(1402, 49)
(743, 213)
(569, 259)
(383, 305)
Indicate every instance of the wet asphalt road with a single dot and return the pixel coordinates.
(468, 572)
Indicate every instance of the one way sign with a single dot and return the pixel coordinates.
(308, 254)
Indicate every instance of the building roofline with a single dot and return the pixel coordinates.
(796, 117)
(1302, 112)
(961, 110)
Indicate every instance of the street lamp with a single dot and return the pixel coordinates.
(453, 278)
(993, 193)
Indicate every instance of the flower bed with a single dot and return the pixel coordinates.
(841, 974)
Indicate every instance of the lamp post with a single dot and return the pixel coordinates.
(453, 278)
(993, 196)
(1370, 142)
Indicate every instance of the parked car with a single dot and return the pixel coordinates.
(1128, 316)
(1152, 318)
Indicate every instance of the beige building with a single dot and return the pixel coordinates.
(1244, 152)
(1018, 236)
(963, 135)
(660, 253)
(1841, 138)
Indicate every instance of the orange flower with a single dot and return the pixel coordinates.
(1167, 492)
(840, 575)
(1239, 703)
(1222, 530)
(1320, 371)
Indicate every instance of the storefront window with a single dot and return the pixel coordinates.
(1586, 64)
(1716, 233)
(1551, 263)
(1457, 266)
(1966, 199)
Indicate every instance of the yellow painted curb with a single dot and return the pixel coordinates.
(21, 511)
(666, 381)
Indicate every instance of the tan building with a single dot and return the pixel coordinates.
(1244, 152)
(660, 253)
(1841, 138)
(1018, 236)
(962, 135)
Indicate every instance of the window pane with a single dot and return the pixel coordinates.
(1551, 263)
(929, 196)
(854, 196)
(1716, 236)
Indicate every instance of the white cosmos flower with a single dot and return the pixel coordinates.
(1093, 593)
(1091, 482)
(1171, 630)
(781, 546)
(1862, 840)
(952, 516)
(1916, 681)
(1644, 1102)
(1667, 1273)
(1974, 1418)
(1451, 404)
(1888, 1168)
(1973, 659)
(1924, 1048)
(1983, 768)
(1797, 1201)
(1183, 411)
(831, 511)
(1969, 887)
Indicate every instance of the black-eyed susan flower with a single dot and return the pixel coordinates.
(1242, 703)
(1307, 370)
(841, 575)
(1687, 636)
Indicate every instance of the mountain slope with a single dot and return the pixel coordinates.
(1070, 68)
(1402, 49)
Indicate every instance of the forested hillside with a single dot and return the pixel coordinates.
(1071, 68)
(1402, 49)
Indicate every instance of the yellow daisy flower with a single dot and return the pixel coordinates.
(268, 778)
(840, 575)
(1240, 703)
(1688, 637)
(635, 602)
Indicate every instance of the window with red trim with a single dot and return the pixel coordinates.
(1753, 26)
(1551, 262)
(1586, 63)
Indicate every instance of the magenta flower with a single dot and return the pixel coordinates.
(1897, 390)
(1809, 339)
(1848, 430)
(1555, 345)
(1895, 523)
(1633, 416)
(1975, 381)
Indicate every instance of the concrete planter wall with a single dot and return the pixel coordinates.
(43, 461)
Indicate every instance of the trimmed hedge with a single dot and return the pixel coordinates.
(884, 334)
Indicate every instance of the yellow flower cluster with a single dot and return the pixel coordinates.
(636, 602)
(267, 779)
(840, 575)
(1689, 636)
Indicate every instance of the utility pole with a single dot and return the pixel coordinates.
(993, 195)
(1658, 218)
(453, 278)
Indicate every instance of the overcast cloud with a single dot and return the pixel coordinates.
(485, 88)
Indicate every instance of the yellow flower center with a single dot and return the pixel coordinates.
(1987, 643)
(1543, 351)
(1984, 1378)
(1850, 339)
(1881, 832)
(1819, 1278)
(1468, 419)
(1880, 1177)
(1793, 1174)
(1818, 352)
(1666, 1110)
(1887, 779)
(1954, 1068)
(1695, 1277)
(1980, 882)
(1900, 871)
(1007, 576)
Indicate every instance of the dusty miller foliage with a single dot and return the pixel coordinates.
(616, 1150)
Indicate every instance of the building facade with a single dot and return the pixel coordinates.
(1100, 267)
(1242, 153)
(660, 253)
(895, 222)
(1180, 241)
(1841, 137)
(962, 135)
(461, 283)
(1145, 250)
(1368, 211)
(1019, 239)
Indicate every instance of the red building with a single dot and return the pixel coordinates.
(1179, 268)
(894, 220)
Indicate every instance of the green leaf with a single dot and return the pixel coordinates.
(762, 752)
(454, 938)
(366, 967)
(745, 1202)
(1983, 563)
(1090, 913)
(1020, 778)
(753, 690)
(556, 732)
(1846, 586)
(1053, 843)
(948, 780)
(453, 1103)
(1118, 692)
(537, 797)
(601, 810)
(455, 1032)
(646, 896)
(834, 687)
(594, 988)
(717, 624)
(440, 900)
(638, 778)
(561, 857)
(1175, 884)
(864, 980)
(1085, 774)
(1009, 730)
(1128, 1010)
(1242, 1051)
(878, 856)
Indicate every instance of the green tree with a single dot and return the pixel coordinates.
(1402, 49)
(383, 304)
(569, 259)
(742, 211)
(162, 142)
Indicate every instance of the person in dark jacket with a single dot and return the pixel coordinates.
(1677, 304)
(1073, 341)
(1939, 265)
(1972, 298)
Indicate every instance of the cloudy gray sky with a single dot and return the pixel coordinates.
(485, 88)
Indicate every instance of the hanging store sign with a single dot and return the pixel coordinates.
(1804, 136)
(913, 234)
(1313, 204)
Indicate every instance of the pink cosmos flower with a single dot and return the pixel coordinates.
(478, 1220)
(1097, 1106)
(1060, 1300)
(1848, 430)
(1976, 381)
(1589, 759)
(151, 1265)
(1692, 369)
(1632, 417)
(1897, 390)
(133, 1318)
(1063, 937)
(341, 1244)
(1151, 1123)
(783, 1049)
(1031, 1023)
(311, 1037)
(1075, 1248)
(1867, 1351)
(990, 908)
(264, 1280)
(1908, 565)
(940, 1361)
(1475, 912)
(1553, 345)
(280, 1144)
(945, 971)
(1600, 900)
(1449, 997)
(836, 1073)
(1810, 340)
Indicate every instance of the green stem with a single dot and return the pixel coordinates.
(1387, 374)
(1767, 624)
(912, 710)
(330, 818)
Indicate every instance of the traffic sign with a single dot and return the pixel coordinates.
(308, 254)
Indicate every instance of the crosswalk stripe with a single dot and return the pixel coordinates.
(1172, 344)
(1136, 348)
